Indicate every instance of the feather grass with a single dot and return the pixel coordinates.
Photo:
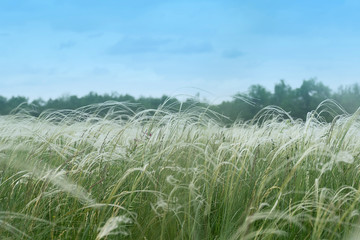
(105, 172)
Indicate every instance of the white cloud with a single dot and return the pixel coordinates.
(159, 45)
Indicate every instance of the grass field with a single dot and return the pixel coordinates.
(162, 175)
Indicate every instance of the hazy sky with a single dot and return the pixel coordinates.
(142, 47)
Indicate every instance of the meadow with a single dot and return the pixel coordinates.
(104, 172)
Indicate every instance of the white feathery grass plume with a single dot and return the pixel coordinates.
(115, 226)
(58, 178)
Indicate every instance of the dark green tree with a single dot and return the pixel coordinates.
(284, 96)
(310, 94)
(348, 97)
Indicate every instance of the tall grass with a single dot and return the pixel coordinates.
(104, 172)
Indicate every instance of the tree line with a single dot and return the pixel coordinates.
(298, 102)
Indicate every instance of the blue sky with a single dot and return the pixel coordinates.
(149, 48)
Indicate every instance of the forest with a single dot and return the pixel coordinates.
(298, 102)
